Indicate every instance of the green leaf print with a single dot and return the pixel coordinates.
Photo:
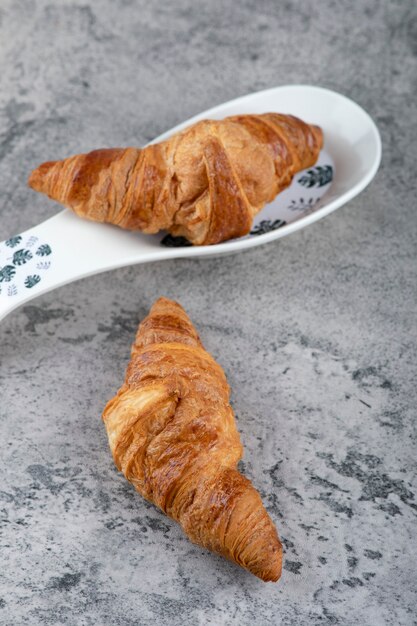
(267, 226)
(317, 176)
(21, 257)
(6, 273)
(31, 281)
(13, 241)
(44, 250)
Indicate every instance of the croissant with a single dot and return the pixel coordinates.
(205, 183)
(172, 433)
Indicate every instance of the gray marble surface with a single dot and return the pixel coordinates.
(316, 332)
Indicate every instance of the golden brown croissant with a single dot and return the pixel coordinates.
(205, 183)
(172, 433)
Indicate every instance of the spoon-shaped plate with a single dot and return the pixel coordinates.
(66, 248)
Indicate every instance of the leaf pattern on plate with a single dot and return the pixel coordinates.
(303, 205)
(266, 226)
(43, 265)
(24, 266)
(13, 241)
(31, 241)
(31, 281)
(317, 176)
(6, 273)
(44, 250)
(21, 257)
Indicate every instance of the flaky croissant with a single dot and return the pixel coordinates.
(205, 183)
(172, 433)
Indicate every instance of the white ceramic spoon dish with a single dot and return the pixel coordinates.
(65, 248)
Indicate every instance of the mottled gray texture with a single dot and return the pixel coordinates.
(317, 332)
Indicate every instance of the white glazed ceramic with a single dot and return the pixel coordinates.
(66, 248)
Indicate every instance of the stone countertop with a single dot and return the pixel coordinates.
(316, 332)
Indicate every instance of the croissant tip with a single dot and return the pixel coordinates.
(165, 303)
(275, 574)
(164, 300)
(274, 571)
(37, 178)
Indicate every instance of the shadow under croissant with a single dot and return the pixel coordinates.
(169, 241)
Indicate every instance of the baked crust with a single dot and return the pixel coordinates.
(173, 434)
(205, 183)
